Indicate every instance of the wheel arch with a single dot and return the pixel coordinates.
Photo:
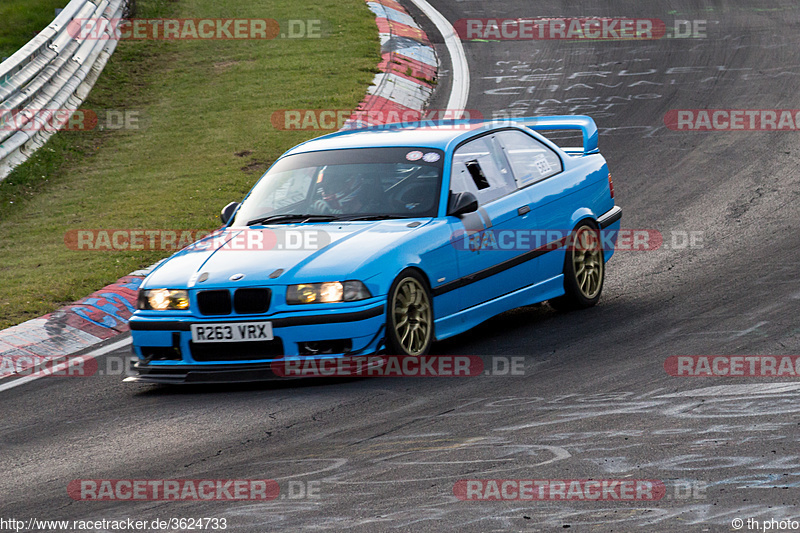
(581, 215)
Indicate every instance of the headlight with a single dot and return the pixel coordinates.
(329, 292)
(163, 299)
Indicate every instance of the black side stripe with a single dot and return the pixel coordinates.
(500, 267)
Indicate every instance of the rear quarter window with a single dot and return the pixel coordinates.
(530, 160)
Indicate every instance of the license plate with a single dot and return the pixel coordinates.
(232, 332)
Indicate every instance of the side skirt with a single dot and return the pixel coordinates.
(469, 318)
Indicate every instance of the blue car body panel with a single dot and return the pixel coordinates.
(468, 286)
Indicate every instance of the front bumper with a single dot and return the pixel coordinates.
(166, 353)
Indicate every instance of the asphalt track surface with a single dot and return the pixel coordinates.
(594, 402)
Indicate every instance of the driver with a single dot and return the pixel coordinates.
(343, 190)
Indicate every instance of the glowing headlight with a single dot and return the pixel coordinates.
(329, 292)
(163, 299)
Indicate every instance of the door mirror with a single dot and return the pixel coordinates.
(227, 212)
(462, 203)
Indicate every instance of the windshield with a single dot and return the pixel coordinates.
(361, 183)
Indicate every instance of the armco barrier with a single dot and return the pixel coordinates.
(54, 71)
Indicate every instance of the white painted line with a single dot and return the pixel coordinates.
(750, 389)
(63, 366)
(750, 330)
(459, 92)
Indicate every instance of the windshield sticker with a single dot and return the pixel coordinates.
(431, 157)
(416, 155)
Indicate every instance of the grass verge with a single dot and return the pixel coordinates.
(22, 20)
(204, 136)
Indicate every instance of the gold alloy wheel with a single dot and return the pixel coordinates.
(587, 261)
(412, 316)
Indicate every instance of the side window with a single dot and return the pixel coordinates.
(530, 160)
(480, 167)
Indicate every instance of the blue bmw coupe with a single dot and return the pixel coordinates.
(382, 241)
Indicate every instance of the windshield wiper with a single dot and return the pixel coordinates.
(372, 217)
(289, 218)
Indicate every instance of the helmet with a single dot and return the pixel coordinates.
(339, 181)
(341, 186)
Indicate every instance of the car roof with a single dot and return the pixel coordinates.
(407, 134)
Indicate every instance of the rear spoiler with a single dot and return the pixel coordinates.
(566, 122)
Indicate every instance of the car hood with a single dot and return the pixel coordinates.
(281, 254)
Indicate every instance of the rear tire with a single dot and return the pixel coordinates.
(584, 269)
(409, 315)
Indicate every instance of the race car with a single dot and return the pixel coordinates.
(382, 240)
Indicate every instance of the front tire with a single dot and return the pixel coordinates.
(409, 315)
(584, 269)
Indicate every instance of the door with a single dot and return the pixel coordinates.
(486, 241)
(538, 171)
